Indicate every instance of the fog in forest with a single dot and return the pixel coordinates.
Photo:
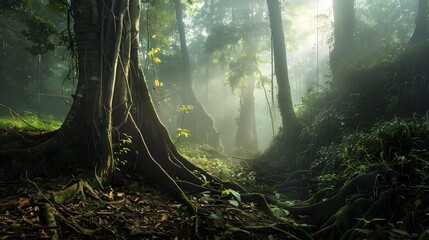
(214, 119)
(42, 84)
(41, 80)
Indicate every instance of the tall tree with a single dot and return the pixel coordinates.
(197, 121)
(237, 25)
(246, 137)
(289, 119)
(421, 30)
(284, 146)
(111, 103)
(344, 21)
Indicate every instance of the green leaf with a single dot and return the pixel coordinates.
(234, 202)
(235, 194)
(363, 220)
(417, 203)
(215, 216)
(226, 192)
(275, 209)
(400, 232)
(286, 212)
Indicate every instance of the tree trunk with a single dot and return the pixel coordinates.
(111, 99)
(344, 22)
(246, 137)
(421, 30)
(282, 151)
(197, 121)
(289, 119)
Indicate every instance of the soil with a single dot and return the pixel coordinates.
(135, 211)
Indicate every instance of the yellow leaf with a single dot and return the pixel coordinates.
(154, 36)
(156, 60)
(156, 50)
(164, 217)
(111, 196)
(23, 203)
(161, 84)
(156, 82)
(27, 220)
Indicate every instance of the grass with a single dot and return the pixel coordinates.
(29, 122)
(218, 164)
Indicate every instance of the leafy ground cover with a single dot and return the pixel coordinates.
(67, 207)
(138, 211)
(393, 155)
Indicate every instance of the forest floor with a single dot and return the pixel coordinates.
(375, 181)
(138, 210)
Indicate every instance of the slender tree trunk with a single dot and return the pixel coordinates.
(282, 151)
(421, 30)
(197, 121)
(289, 119)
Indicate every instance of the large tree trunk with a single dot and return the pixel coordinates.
(197, 121)
(421, 30)
(111, 99)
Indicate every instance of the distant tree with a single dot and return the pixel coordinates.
(235, 37)
(421, 30)
(344, 27)
(245, 68)
(197, 121)
(31, 46)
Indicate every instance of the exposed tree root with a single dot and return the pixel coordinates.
(69, 194)
(179, 177)
(48, 218)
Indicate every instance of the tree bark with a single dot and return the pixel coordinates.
(421, 30)
(108, 57)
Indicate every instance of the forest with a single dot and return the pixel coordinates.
(214, 119)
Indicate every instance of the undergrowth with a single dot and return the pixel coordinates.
(30, 122)
(218, 164)
(401, 144)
